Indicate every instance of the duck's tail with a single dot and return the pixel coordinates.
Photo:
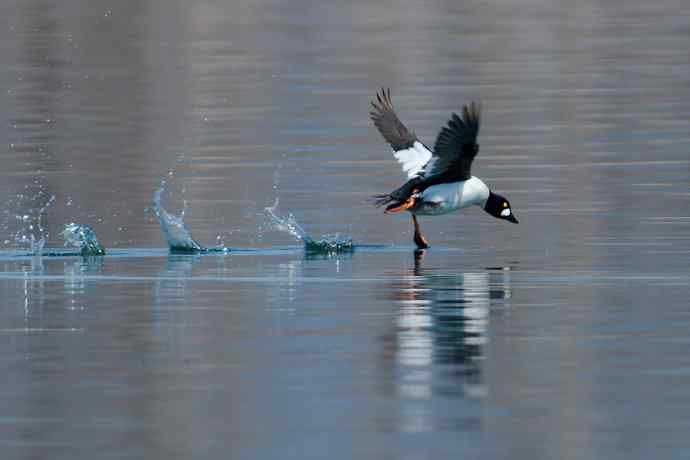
(399, 199)
(395, 204)
(381, 199)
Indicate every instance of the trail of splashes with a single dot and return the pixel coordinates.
(328, 244)
(176, 233)
(84, 238)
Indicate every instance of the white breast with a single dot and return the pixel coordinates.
(444, 198)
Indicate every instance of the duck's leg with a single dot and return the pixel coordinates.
(419, 238)
(418, 257)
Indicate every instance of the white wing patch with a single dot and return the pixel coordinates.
(413, 159)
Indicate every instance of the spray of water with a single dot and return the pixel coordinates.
(31, 232)
(84, 238)
(176, 233)
(328, 244)
(287, 224)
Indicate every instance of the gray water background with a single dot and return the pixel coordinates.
(563, 337)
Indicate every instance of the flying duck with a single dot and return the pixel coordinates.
(439, 182)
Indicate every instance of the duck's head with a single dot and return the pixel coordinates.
(499, 207)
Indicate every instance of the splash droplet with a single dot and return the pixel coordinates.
(176, 233)
(328, 244)
(84, 238)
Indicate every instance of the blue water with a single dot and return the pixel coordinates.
(251, 302)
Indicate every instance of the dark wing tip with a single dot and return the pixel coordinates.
(381, 104)
(456, 143)
(383, 100)
(466, 125)
(471, 115)
(387, 122)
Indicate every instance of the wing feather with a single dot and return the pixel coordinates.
(407, 149)
(413, 159)
(456, 145)
(389, 125)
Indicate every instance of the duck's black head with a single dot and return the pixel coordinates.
(499, 207)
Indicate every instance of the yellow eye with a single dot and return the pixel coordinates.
(505, 205)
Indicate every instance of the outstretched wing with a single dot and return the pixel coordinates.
(456, 146)
(407, 149)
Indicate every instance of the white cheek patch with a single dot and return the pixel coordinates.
(505, 212)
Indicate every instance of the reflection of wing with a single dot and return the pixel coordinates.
(456, 146)
(407, 149)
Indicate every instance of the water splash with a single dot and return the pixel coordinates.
(35, 245)
(327, 244)
(84, 238)
(286, 224)
(31, 232)
(176, 233)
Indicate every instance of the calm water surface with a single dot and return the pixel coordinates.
(563, 337)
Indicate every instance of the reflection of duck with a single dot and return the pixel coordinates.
(438, 182)
(442, 325)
